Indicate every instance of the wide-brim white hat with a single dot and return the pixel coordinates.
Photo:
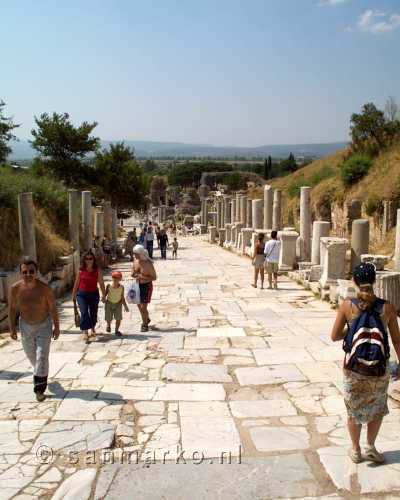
(140, 250)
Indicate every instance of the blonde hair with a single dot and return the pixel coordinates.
(366, 296)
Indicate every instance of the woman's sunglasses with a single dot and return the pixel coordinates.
(30, 272)
(89, 258)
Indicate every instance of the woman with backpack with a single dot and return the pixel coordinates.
(366, 364)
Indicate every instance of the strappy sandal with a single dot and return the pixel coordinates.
(355, 455)
(371, 453)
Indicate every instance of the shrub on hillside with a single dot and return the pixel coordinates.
(373, 205)
(294, 188)
(354, 169)
(47, 193)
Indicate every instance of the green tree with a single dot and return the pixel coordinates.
(116, 176)
(150, 166)
(6, 135)
(370, 130)
(63, 146)
(157, 190)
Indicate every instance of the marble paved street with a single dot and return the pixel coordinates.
(235, 393)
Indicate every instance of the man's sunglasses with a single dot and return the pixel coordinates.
(89, 258)
(31, 272)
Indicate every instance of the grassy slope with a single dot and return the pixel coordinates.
(381, 183)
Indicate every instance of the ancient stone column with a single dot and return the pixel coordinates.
(219, 214)
(228, 234)
(268, 206)
(249, 213)
(227, 210)
(333, 260)
(246, 240)
(257, 214)
(237, 216)
(221, 235)
(114, 226)
(277, 210)
(107, 219)
(287, 257)
(26, 216)
(243, 209)
(305, 224)
(99, 222)
(359, 241)
(73, 206)
(397, 248)
(320, 230)
(213, 234)
(206, 213)
(233, 210)
(86, 220)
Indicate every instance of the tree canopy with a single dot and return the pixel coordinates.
(63, 146)
(6, 127)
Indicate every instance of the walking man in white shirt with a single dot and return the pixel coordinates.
(272, 251)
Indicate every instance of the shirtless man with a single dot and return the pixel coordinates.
(37, 313)
(143, 270)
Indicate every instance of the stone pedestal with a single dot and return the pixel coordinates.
(359, 241)
(249, 213)
(227, 210)
(99, 222)
(387, 286)
(277, 210)
(238, 230)
(26, 216)
(213, 218)
(246, 239)
(333, 260)
(287, 257)
(228, 234)
(213, 234)
(305, 224)
(257, 214)
(397, 247)
(86, 220)
(243, 209)
(114, 226)
(321, 229)
(221, 235)
(73, 209)
(107, 219)
(219, 214)
(268, 206)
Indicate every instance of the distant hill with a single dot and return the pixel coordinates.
(23, 151)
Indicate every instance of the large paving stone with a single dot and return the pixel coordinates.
(276, 374)
(221, 331)
(283, 476)
(281, 356)
(75, 436)
(272, 439)
(190, 392)
(192, 372)
(209, 437)
(204, 409)
(260, 408)
(76, 486)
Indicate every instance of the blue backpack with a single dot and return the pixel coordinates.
(366, 343)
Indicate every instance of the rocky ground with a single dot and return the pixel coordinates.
(234, 393)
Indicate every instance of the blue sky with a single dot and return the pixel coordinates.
(226, 72)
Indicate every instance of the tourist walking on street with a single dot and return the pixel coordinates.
(115, 299)
(163, 243)
(149, 240)
(131, 241)
(86, 294)
(272, 251)
(142, 237)
(143, 270)
(366, 365)
(175, 246)
(34, 302)
(258, 260)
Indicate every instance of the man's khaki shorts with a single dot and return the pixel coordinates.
(272, 267)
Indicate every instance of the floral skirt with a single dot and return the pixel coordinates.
(366, 397)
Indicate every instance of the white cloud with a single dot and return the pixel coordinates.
(376, 22)
(331, 3)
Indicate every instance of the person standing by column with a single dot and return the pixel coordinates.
(34, 301)
(143, 270)
(272, 251)
(86, 294)
(150, 241)
(258, 260)
(164, 242)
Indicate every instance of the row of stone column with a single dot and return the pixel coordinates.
(105, 222)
